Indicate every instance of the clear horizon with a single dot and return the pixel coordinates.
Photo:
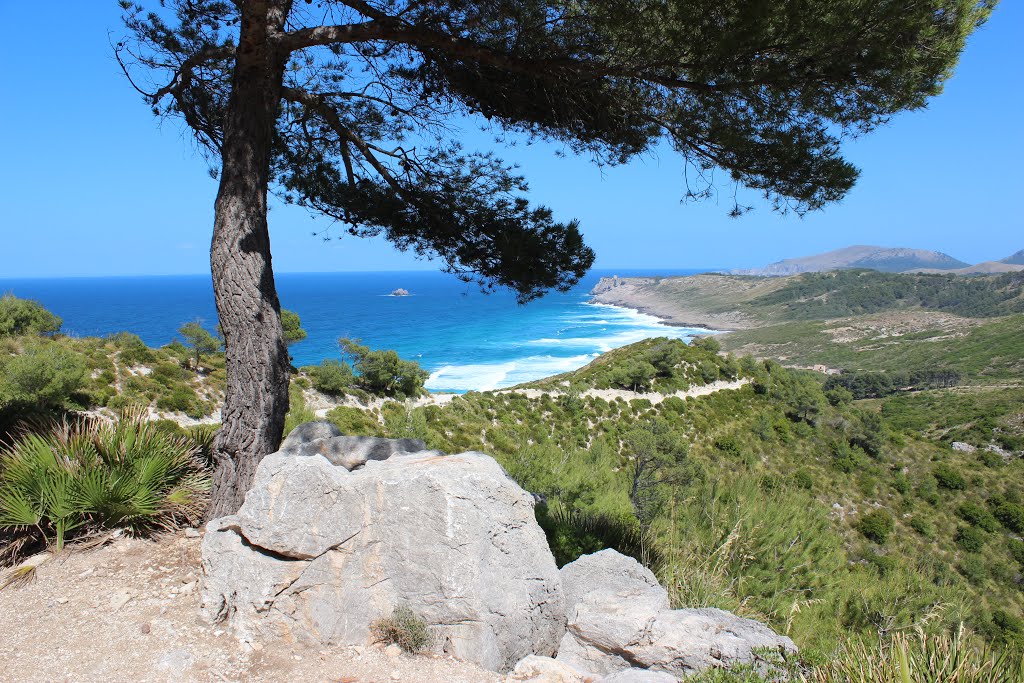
(97, 187)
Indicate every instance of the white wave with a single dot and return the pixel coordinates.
(479, 377)
(499, 375)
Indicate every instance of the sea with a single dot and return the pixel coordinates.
(467, 340)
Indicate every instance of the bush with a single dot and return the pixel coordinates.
(43, 376)
(354, 421)
(949, 478)
(978, 516)
(132, 350)
(803, 480)
(1010, 515)
(404, 629)
(876, 526)
(970, 539)
(84, 475)
(573, 533)
(330, 377)
(23, 316)
(922, 526)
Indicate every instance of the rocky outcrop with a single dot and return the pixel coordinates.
(619, 618)
(337, 532)
(318, 553)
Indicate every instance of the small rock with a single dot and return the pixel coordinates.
(534, 669)
(188, 588)
(191, 533)
(62, 601)
(146, 628)
(396, 676)
(86, 573)
(176, 660)
(218, 633)
(392, 651)
(119, 600)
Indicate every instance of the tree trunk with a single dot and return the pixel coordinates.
(256, 396)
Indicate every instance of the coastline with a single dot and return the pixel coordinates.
(667, 319)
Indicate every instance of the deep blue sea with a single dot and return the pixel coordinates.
(466, 339)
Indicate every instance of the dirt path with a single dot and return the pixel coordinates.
(129, 612)
(655, 399)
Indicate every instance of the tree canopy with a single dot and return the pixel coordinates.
(24, 316)
(352, 108)
(765, 91)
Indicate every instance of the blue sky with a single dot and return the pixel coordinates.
(94, 185)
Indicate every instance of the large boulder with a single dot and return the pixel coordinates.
(318, 553)
(619, 617)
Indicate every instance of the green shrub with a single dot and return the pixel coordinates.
(83, 475)
(331, 376)
(972, 566)
(132, 350)
(876, 526)
(354, 422)
(382, 372)
(1010, 515)
(24, 316)
(922, 526)
(404, 629)
(573, 533)
(43, 376)
(970, 538)
(182, 400)
(949, 478)
(729, 445)
(803, 480)
(977, 515)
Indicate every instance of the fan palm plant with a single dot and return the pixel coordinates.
(83, 474)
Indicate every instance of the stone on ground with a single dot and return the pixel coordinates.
(618, 618)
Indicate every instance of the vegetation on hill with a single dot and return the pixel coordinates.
(379, 372)
(840, 293)
(658, 365)
(824, 520)
(987, 351)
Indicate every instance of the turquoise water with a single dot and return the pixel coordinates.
(467, 340)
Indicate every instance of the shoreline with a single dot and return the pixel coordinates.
(693, 301)
(666, 319)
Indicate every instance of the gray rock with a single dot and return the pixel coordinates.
(317, 554)
(534, 669)
(640, 676)
(617, 620)
(350, 452)
(309, 431)
(612, 572)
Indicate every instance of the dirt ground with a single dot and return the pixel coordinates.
(129, 611)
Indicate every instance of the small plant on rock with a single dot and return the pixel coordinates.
(404, 629)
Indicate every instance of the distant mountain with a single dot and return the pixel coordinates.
(1016, 259)
(984, 268)
(889, 260)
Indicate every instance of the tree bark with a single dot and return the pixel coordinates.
(256, 396)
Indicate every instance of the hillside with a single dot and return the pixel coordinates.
(853, 320)
(1015, 259)
(885, 259)
(773, 497)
